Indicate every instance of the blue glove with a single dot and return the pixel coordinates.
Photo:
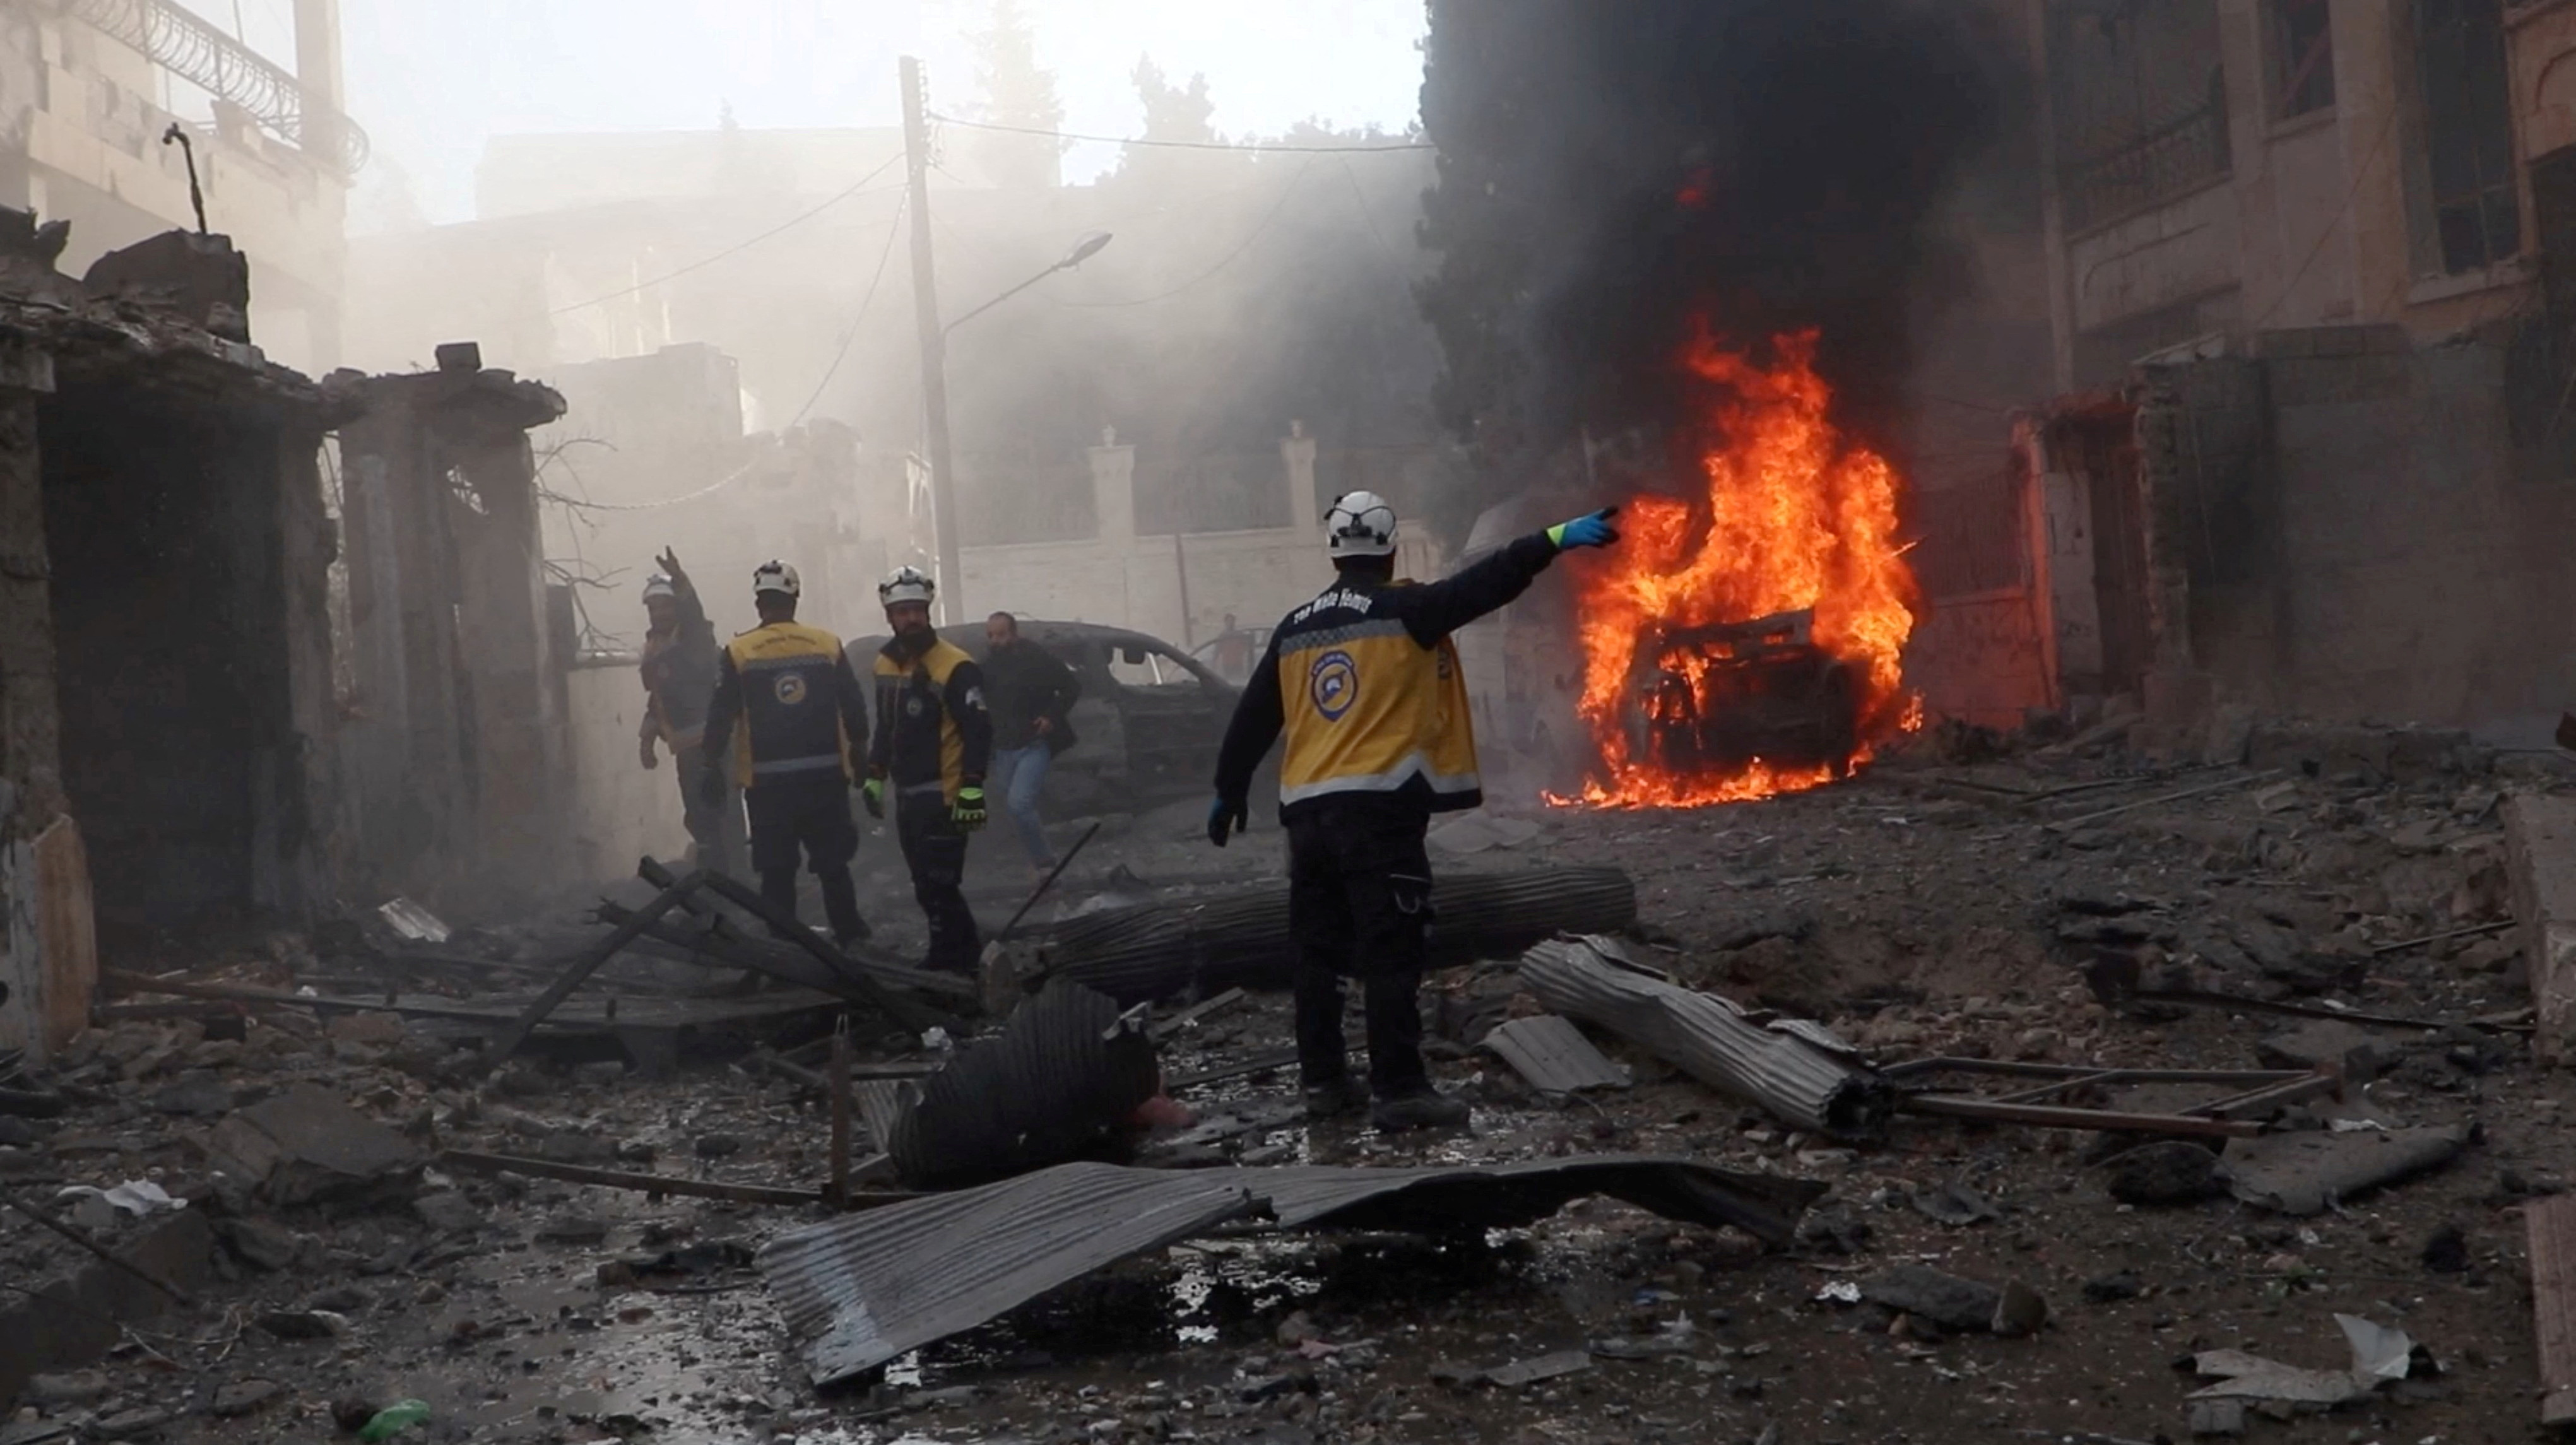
(1225, 819)
(1591, 531)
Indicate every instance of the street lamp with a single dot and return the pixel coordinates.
(1083, 250)
(934, 371)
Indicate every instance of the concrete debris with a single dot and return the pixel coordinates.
(412, 921)
(2308, 1173)
(1538, 1368)
(2171, 1172)
(2380, 1356)
(1928, 1294)
(307, 1146)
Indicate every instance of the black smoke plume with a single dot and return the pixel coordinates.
(1613, 170)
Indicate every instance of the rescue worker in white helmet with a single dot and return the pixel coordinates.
(802, 713)
(933, 741)
(679, 670)
(1365, 682)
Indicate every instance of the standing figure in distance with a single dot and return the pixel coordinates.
(679, 669)
(1365, 681)
(801, 712)
(932, 742)
(1031, 693)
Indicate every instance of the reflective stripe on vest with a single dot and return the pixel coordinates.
(1369, 710)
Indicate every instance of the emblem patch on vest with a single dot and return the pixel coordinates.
(1334, 683)
(790, 688)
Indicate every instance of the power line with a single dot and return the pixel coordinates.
(1185, 145)
(853, 333)
(740, 246)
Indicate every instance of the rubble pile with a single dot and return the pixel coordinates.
(2222, 1064)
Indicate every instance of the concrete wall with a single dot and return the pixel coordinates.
(2409, 595)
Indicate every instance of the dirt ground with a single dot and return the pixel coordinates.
(1928, 908)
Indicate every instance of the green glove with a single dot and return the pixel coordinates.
(872, 792)
(969, 813)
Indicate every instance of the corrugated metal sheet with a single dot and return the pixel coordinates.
(866, 1289)
(860, 1291)
(1554, 1056)
(1066, 1068)
(1157, 950)
(1785, 1069)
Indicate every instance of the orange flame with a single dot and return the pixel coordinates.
(1794, 518)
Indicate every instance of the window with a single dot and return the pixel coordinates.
(2468, 131)
(1149, 667)
(2303, 78)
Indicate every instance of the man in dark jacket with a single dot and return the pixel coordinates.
(1365, 681)
(679, 671)
(1029, 691)
(932, 743)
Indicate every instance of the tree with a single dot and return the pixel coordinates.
(1017, 92)
(1173, 112)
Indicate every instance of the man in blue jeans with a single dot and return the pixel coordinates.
(1029, 692)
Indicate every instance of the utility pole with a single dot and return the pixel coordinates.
(934, 351)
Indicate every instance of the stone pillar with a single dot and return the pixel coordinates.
(1297, 452)
(1113, 490)
(30, 709)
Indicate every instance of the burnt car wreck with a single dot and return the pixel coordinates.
(1725, 696)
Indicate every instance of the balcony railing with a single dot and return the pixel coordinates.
(2149, 167)
(214, 62)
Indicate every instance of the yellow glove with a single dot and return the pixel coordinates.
(969, 813)
(872, 793)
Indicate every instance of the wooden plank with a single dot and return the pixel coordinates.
(2551, 1224)
(2540, 863)
(2248, 780)
(67, 932)
(2049, 1116)
(895, 1006)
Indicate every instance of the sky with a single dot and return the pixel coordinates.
(431, 80)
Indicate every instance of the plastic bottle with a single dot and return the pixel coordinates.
(394, 1419)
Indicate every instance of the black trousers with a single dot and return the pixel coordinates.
(935, 851)
(1359, 902)
(810, 817)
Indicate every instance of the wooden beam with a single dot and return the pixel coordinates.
(2551, 1224)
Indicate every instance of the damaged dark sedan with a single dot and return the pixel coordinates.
(1149, 720)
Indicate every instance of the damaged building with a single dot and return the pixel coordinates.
(167, 648)
(2304, 265)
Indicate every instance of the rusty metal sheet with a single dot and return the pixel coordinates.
(860, 1291)
(1797, 1070)
(1554, 1056)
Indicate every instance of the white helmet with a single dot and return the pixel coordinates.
(907, 584)
(1360, 524)
(660, 585)
(778, 577)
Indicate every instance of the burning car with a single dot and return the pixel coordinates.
(1724, 697)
